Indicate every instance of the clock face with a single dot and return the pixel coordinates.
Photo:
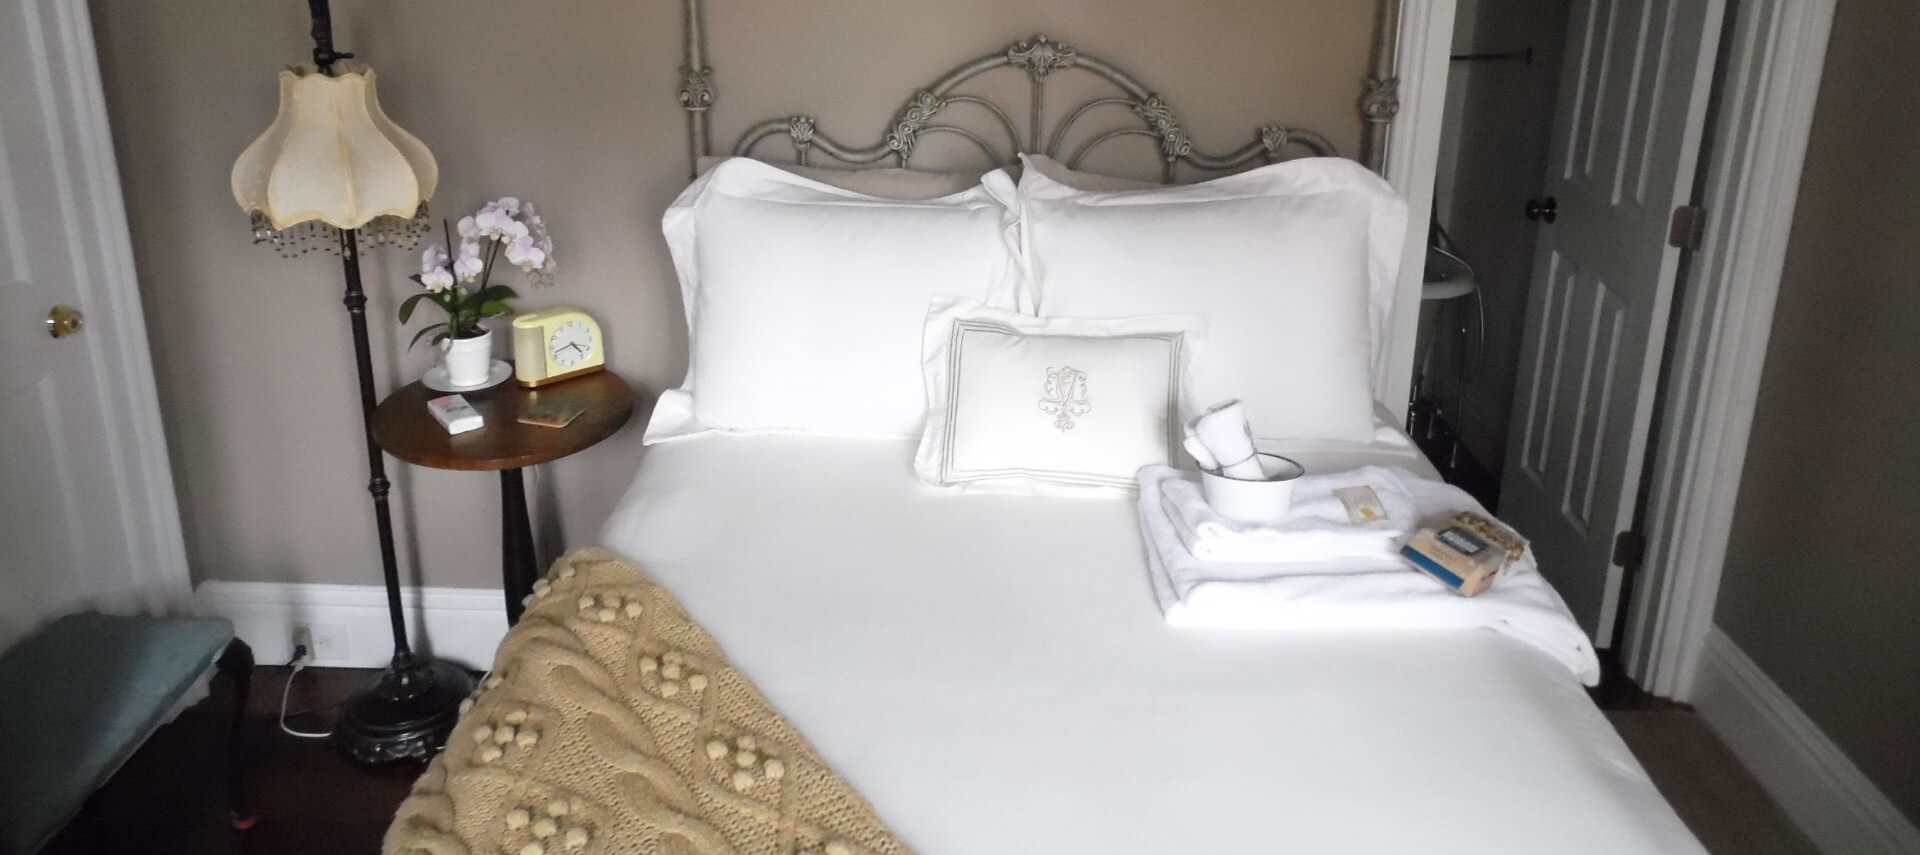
(571, 343)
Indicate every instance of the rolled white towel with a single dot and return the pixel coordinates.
(1198, 451)
(1223, 429)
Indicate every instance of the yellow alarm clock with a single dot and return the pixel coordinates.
(554, 344)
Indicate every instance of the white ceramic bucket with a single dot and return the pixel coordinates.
(1263, 501)
(469, 360)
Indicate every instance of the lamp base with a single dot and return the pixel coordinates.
(407, 714)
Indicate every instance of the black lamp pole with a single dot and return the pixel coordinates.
(377, 483)
(409, 711)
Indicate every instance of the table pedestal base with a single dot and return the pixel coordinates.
(518, 568)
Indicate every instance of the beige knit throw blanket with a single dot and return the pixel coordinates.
(612, 723)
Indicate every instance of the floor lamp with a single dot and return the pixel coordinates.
(332, 159)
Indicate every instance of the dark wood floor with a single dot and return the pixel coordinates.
(172, 796)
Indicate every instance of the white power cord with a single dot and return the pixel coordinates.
(299, 662)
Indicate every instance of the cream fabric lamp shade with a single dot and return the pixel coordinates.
(331, 155)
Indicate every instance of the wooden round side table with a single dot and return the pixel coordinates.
(405, 429)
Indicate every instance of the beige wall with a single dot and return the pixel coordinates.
(569, 104)
(1820, 587)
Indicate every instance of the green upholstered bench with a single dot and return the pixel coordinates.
(78, 697)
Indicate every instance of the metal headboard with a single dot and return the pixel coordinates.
(1040, 58)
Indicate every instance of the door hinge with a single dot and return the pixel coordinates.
(1629, 549)
(1688, 226)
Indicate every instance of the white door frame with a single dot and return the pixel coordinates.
(1413, 158)
(143, 476)
(1767, 95)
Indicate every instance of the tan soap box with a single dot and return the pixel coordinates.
(1464, 551)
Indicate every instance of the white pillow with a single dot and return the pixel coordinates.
(1052, 406)
(805, 302)
(1292, 264)
(884, 182)
(1079, 179)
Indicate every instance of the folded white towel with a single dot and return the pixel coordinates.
(1210, 595)
(1223, 429)
(1317, 525)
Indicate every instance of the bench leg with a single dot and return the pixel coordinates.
(236, 662)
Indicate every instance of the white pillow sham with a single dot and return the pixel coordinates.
(1292, 264)
(805, 302)
(1082, 180)
(1049, 406)
(885, 182)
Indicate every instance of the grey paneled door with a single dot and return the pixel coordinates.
(87, 512)
(1626, 141)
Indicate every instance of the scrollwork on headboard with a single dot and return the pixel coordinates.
(930, 111)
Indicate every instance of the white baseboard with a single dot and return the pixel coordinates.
(1819, 788)
(349, 622)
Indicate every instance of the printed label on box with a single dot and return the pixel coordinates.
(1462, 541)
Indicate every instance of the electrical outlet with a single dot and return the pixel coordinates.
(302, 637)
(326, 642)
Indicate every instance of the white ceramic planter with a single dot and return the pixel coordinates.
(468, 360)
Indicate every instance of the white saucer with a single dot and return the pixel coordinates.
(436, 378)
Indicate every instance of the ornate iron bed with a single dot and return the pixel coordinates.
(1041, 58)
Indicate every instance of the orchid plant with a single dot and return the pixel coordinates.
(463, 285)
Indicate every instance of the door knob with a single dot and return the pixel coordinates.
(1543, 210)
(64, 321)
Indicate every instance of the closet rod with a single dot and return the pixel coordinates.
(1525, 57)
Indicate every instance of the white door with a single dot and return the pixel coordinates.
(1626, 140)
(87, 512)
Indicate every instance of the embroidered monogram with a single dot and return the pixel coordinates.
(1066, 396)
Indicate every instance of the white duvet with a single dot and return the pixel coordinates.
(993, 673)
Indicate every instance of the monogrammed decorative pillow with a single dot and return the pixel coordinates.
(1019, 404)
